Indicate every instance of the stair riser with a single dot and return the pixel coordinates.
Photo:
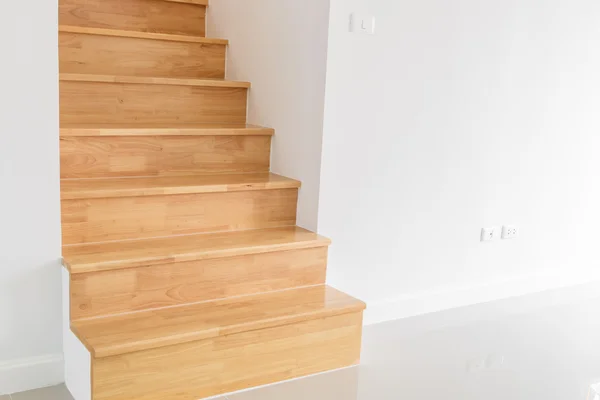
(108, 55)
(114, 292)
(210, 367)
(100, 220)
(97, 157)
(139, 15)
(106, 103)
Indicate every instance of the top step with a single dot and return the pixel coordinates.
(185, 17)
(145, 330)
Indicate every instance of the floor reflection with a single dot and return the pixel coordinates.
(525, 348)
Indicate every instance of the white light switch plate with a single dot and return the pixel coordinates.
(489, 234)
(360, 23)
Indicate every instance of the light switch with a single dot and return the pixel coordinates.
(362, 24)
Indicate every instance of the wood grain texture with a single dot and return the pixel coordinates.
(120, 33)
(130, 187)
(119, 255)
(99, 129)
(113, 103)
(97, 157)
(128, 290)
(100, 220)
(94, 54)
(136, 15)
(228, 363)
(151, 329)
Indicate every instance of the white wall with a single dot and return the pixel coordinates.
(458, 115)
(30, 299)
(281, 48)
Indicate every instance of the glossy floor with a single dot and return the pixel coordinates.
(544, 347)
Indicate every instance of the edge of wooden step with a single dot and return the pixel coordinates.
(144, 330)
(72, 189)
(140, 35)
(196, 2)
(68, 77)
(96, 257)
(68, 130)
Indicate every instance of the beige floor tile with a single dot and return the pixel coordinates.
(5, 397)
(336, 385)
(51, 393)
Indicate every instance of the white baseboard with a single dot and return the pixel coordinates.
(31, 373)
(421, 303)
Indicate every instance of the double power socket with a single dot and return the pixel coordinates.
(495, 233)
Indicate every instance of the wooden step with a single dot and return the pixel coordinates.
(139, 331)
(148, 80)
(145, 156)
(67, 130)
(223, 346)
(120, 255)
(125, 218)
(129, 187)
(177, 17)
(169, 37)
(104, 293)
(85, 50)
(105, 99)
(197, 2)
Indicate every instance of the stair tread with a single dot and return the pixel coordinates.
(198, 2)
(144, 330)
(167, 185)
(140, 35)
(152, 80)
(128, 254)
(125, 129)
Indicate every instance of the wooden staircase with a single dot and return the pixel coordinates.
(186, 276)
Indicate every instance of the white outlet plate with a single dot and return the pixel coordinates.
(490, 234)
(360, 23)
(509, 232)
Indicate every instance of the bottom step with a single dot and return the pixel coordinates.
(200, 369)
(197, 351)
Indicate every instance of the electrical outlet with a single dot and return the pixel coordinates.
(489, 234)
(509, 232)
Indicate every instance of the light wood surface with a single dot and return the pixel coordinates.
(114, 103)
(109, 219)
(99, 129)
(97, 157)
(131, 187)
(144, 330)
(137, 15)
(84, 53)
(119, 255)
(148, 80)
(188, 276)
(127, 290)
(121, 33)
(197, 2)
(228, 363)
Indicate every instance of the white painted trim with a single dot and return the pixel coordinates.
(421, 303)
(30, 373)
(78, 360)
